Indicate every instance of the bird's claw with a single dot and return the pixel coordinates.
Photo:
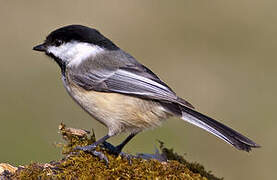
(91, 149)
(101, 156)
(85, 148)
(129, 157)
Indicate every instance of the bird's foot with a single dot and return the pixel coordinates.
(117, 150)
(127, 156)
(91, 149)
(111, 148)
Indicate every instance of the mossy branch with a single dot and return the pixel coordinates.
(82, 165)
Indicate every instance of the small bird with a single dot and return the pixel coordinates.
(118, 91)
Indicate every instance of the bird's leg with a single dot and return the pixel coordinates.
(91, 148)
(117, 149)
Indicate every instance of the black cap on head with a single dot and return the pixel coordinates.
(79, 33)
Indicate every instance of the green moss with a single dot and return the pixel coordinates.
(82, 165)
(194, 167)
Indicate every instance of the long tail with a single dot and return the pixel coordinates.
(218, 129)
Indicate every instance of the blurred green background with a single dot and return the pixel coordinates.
(219, 55)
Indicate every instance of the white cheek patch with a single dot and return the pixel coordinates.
(74, 52)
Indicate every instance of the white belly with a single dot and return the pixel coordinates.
(120, 113)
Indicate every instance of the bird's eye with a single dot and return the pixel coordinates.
(58, 42)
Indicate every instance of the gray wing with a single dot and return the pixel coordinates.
(134, 79)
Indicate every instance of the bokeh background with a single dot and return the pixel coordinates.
(219, 55)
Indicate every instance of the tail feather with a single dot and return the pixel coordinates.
(218, 129)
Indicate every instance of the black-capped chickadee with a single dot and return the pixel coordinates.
(118, 91)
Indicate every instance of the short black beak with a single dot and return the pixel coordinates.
(41, 47)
